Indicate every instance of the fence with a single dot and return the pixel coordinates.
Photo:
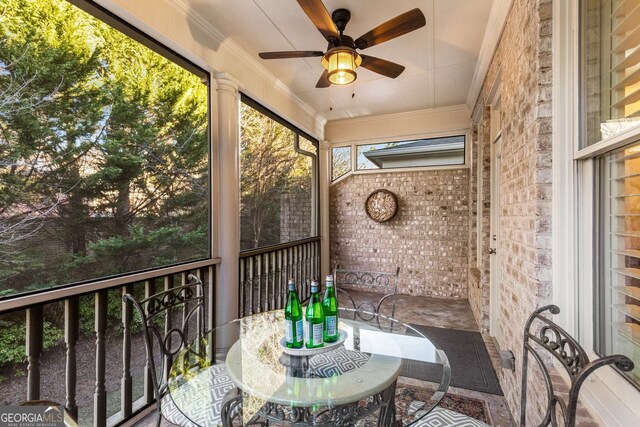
(264, 274)
(92, 322)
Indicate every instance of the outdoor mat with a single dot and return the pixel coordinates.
(405, 395)
(470, 363)
(409, 396)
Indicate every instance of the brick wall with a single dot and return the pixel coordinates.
(295, 216)
(428, 238)
(524, 58)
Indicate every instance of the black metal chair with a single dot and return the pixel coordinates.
(368, 281)
(552, 339)
(168, 322)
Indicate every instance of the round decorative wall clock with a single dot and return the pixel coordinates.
(381, 205)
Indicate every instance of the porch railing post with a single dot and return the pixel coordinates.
(71, 326)
(100, 395)
(126, 390)
(34, 328)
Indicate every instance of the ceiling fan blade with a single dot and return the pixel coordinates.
(290, 54)
(381, 66)
(401, 24)
(318, 14)
(324, 80)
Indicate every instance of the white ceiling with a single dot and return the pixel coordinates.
(440, 58)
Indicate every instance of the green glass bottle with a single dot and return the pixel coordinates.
(293, 318)
(330, 309)
(314, 320)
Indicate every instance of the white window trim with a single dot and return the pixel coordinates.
(354, 153)
(607, 395)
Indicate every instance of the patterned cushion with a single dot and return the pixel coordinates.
(202, 396)
(440, 417)
(336, 362)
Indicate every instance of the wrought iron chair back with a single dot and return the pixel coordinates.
(183, 305)
(552, 339)
(371, 281)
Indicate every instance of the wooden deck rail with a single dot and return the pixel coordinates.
(35, 313)
(264, 274)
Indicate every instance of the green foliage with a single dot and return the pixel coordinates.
(13, 338)
(105, 151)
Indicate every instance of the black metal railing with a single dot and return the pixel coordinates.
(264, 274)
(84, 346)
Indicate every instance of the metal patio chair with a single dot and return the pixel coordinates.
(552, 339)
(543, 337)
(369, 281)
(184, 306)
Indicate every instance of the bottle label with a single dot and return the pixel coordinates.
(299, 336)
(318, 329)
(288, 331)
(331, 322)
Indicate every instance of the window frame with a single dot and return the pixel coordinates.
(350, 163)
(315, 166)
(88, 286)
(466, 133)
(611, 397)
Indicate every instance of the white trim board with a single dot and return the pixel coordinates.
(493, 33)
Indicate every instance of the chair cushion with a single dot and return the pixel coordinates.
(336, 362)
(440, 417)
(202, 396)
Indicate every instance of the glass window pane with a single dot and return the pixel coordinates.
(406, 154)
(619, 285)
(340, 162)
(104, 151)
(610, 56)
(277, 183)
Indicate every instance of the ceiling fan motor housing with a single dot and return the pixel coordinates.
(341, 17)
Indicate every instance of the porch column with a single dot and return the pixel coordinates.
(228, 200)
(325, 179)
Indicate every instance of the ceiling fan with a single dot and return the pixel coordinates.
(341, 59)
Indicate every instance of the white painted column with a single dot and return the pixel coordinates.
(227, 141)
(325, 180)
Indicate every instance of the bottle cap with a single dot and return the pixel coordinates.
(291, 284)
(329, 280)
(314, 286)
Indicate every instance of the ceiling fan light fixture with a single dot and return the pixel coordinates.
(341, 64)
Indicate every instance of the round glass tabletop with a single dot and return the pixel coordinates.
(247, 378)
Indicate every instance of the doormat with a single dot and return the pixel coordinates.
(471, 366)
(469, 406)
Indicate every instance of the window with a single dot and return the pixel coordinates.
(406, 154)
(104, 149)
(340, 162)
(611, 68)
(619, 291)
(610, 103)
(278, 179)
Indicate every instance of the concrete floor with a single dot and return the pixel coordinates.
(452, 314)
(455, 314)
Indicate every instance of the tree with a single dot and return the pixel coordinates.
(104, 146)
(270, 168)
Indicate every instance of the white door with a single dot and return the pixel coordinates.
(494, 243)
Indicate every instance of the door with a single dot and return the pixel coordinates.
(494, 239)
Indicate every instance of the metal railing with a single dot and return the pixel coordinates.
(93, 323)
(264, 273)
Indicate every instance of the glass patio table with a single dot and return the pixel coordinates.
(253, 379)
